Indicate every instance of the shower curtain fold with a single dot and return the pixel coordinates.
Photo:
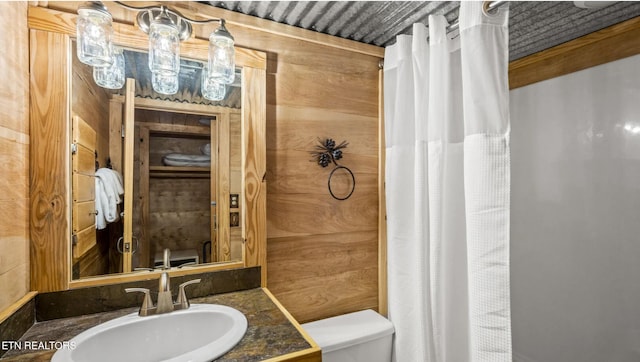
(447, 190)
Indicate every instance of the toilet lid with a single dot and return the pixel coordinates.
(349, 329)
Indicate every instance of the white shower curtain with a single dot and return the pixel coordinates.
(447, 190)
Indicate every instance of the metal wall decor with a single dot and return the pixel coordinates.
(326, 153)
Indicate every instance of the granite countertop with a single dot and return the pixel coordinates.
(268, 335)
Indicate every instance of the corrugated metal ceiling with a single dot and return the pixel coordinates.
(533, 25)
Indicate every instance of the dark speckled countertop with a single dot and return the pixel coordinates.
(269, 334)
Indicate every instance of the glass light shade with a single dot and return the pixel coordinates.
(111, 77)
(212, 89)
(164, 47)
(222, 65)
(94, 32)
(164, 83)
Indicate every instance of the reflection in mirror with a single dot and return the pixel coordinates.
(186, 171)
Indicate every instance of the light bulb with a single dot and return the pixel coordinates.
(221, 56)
(94, 32)
(111, 77)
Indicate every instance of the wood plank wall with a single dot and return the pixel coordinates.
(91, 103)
(14, 153)
(322, 254)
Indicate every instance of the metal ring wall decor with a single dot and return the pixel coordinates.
(353, 179)
(327, 152)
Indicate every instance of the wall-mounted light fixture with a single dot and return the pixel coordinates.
(166, 29)
(94, 31)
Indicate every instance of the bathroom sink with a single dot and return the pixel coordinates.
(201, 333)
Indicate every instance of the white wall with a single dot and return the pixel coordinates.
(575, 237)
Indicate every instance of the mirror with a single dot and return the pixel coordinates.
(62, 245)
(186, 167)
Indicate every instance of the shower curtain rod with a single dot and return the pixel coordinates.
(488, 6)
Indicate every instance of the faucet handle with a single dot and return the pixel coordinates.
(183, 302)
(146, 303)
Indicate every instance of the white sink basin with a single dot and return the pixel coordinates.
(201, 333)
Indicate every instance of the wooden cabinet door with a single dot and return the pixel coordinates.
(83, 195)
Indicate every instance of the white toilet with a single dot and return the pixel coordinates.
(363, 336)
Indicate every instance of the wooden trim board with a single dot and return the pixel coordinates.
(65, 23)
(615, 42)
(147, 275)
(235, 21)
(10, 310)
(308, 355)
(382, 205)
(254, 164)
(49, 173)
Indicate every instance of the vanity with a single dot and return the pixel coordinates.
(272, 334)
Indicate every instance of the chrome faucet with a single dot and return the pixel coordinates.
(165, 303)
(166, 259)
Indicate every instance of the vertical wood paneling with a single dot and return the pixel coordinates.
(141, 230)
(49, 161)
(14, 246)
(129, 122)
(253, 146)
(91, 103)
(382, 205)
(222, 197)
(235, 179)
(213, 194)
(83, 213)
(14, 153)
(115, 134)
(14, 68)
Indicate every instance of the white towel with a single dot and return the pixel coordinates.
(112, 189)
(100, 204)
(178, 159)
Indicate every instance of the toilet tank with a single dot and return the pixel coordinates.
(363, 336)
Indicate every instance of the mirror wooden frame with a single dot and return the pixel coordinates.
(51, 32)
